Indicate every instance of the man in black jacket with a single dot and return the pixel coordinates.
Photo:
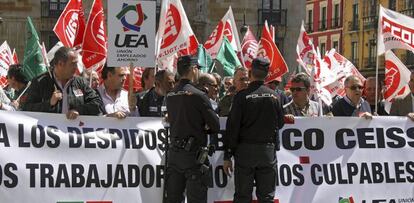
(251, 137)
(61, 91)
(191, 118)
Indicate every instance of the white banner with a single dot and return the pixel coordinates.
(47, 158)
(395, 31)
(131, 33)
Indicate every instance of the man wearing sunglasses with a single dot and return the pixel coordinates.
(301, 105)
(352, 104)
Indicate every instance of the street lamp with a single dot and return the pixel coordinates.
(244, 27)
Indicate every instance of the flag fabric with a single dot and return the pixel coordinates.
(341, 68)
(192, 47)
(225, 27)
(70, 27)
(228, 58)
(95, 40)
(249, 48)
(33, 64)
(269, 50)
(174, 31)
(6, 59)
(397, 76)
(205, 61)
(137, 79)
(15, 58)
(305, 51)
(395, 31)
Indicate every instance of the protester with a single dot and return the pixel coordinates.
(60, 91)
(153, 104)
(404, 106)
(369, 96)
(352, 104)
(208, 83)
(240, 81)
(116, 101)
(301, 105)
(94, 82)
(191, 118)
(274, 84)
(18, 82)
(251, 137)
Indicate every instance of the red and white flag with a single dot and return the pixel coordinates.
(226, 27)
(269, 50)
(305, 51)
(397, 76)
(95, 40)
(395, 31)
(15, 58)
(137, 79)
(174, 31)
(6, 59)
(342, 68)
(249, 48)
(70, 26)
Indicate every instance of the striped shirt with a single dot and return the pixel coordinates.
(311, 109)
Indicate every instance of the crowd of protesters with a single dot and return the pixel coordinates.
(61, 91)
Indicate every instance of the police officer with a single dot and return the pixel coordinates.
(191, 118)
(251, 137)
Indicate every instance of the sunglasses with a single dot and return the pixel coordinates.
(293, 89)
(355, 87)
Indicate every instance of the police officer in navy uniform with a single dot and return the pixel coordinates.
(191, 118)
(251, 137)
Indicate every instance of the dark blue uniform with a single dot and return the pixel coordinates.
(152, 105)
(251, 137)
(191, 118)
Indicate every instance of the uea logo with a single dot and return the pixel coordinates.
(346, 200)
(131, 40)
(140, 17)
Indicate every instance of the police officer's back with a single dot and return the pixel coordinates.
(190, 116)
(251, 136)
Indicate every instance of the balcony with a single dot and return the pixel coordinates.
(273, 16)
(408, 59)
(408, 12)
(309, 27)
(51, 9)
(370, 22)
(322, 25)
(353, 25)
(336, 23)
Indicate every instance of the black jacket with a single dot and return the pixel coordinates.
(189, 112)
(152, 105)
(255, 117)
(85, 101)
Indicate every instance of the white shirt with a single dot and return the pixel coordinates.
(65, 104)
(119, 104)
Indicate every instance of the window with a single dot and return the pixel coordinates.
(323, 18)
(354, 53)
(52, 8)
(355, 13)
(335, 20)
(392, 4)
(335, 45)
(322, 48)
(309, 24)
(409, 4)
(372, 53)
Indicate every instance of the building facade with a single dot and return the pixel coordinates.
(360, 33)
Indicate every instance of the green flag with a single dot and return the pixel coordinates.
(204, 60)
(228, 58)
(33, 64)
